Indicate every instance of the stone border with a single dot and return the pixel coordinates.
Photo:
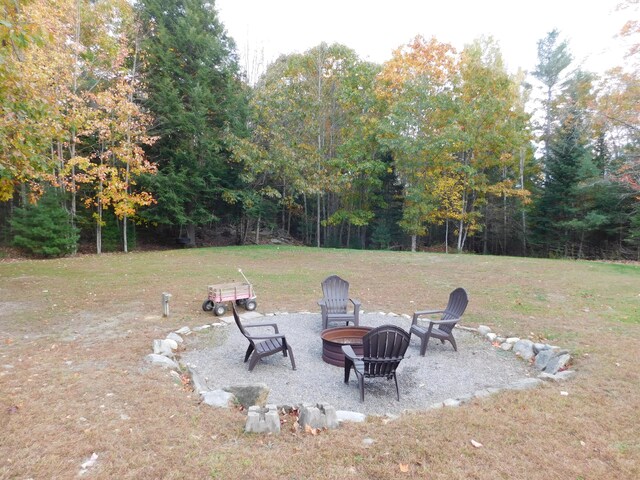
(552, 362)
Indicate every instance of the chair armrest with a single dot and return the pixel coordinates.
(427, 312)
(445, 322)
(356, 303)
(418, 314)
(252, 325)
(322, 302)
(349, 353)
(267, 337)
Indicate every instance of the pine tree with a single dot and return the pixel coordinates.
(569, 162)
(193, 90)
(44, 229)
(553, 58)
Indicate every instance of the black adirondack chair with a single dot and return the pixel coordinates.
(441, 329)
(261, 346)
(383, 349)
(333, 306)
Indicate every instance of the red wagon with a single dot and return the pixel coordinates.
(220, 294)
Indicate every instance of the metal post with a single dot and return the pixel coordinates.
(165, 304)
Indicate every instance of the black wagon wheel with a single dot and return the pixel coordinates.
(250, 305)
(219, 310)
(207, 305)
(241, 302)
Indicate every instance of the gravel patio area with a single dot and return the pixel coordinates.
(441, 374)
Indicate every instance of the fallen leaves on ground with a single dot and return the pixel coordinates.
(309, 429)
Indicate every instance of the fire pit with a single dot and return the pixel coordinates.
(334, 338)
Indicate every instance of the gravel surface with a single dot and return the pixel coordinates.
(442, 373)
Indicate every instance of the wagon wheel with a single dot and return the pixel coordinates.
(241, 302)
(207, 306)
(219, 310)
(250, 305)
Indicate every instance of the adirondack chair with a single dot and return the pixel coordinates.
(261, 346)
(333, 306)
(383, 349)
(441, 329)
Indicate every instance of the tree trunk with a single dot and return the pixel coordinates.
(320, 122)
(581, 243)
(284, 196)
(60, 153)
(504, 216)
(307, 239)
(125, 241)
(463, 209)
(258, 230)
(413, 242)
(348, 234)
(446, 236)
(72, 145)
(99, 229)
(485, 234)
(524, 220)
(460, 230)
(191, 234)
(318, 223)
(23, 195)
(325, 216)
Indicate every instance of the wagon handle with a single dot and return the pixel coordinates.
(240, 270)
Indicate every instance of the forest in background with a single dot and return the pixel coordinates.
(128, 125)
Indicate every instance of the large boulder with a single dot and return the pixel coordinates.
(557, 363)
(164, 347)
(552, 360)
(348, 416)
(249, 395)
(524, 349)
(218, 398)
(199, 383)
(483, 330)
(175, 337)
(162, 361)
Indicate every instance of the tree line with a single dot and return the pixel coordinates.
(124, 123)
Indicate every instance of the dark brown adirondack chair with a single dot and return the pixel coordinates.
(383, 349)
(441, 329)
(261, 346)
(333, 306)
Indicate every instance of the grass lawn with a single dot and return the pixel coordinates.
(73, 334)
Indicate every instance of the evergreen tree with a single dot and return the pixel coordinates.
(569, 162)
(193, 89)
(553, 58)
(44, 229)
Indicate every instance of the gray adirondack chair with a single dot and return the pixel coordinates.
(261, 346)
(382, 350)
(441, 329)
(334, 304)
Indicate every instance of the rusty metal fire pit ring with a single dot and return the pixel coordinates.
(334, 338)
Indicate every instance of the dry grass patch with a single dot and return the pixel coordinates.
(73, 333)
